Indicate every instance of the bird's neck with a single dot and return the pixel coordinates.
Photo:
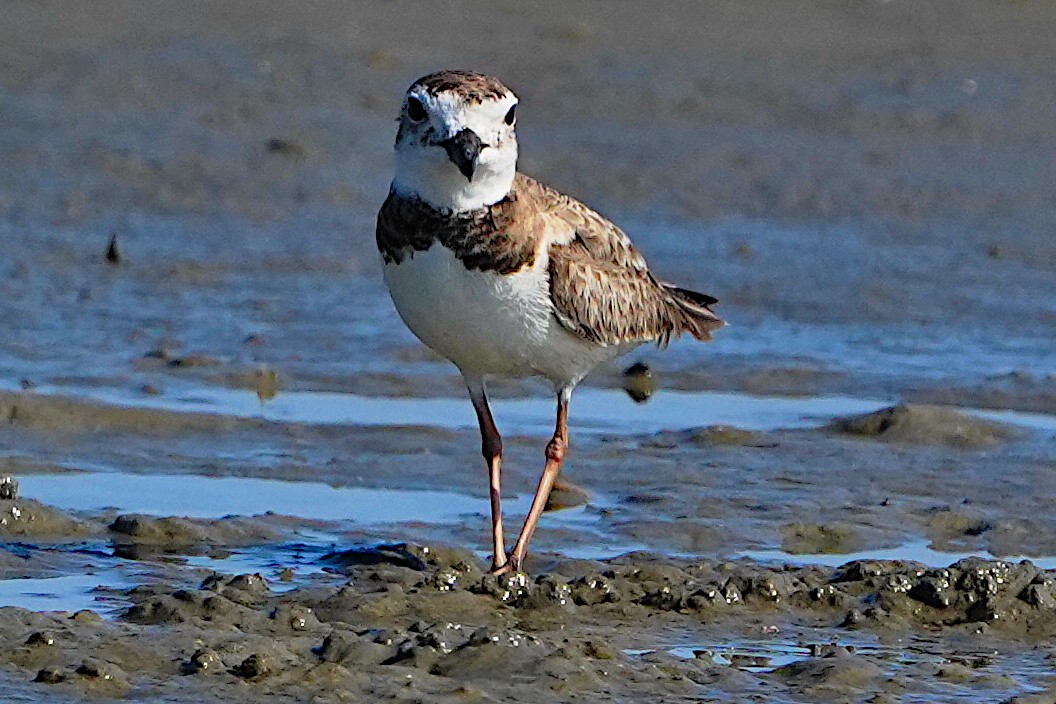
(441, 185)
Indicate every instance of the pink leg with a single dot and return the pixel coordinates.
(555, 456)
(491, 448)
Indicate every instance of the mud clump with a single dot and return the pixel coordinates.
(726, 435)
(256, 667)
(27, 518)
(55, 414)
(134, 534)
(565, 494)
(819, 539)
(927, 425)
(235, 601)
(204, 660)
(639, 382)
(8, 488)
(113, 252)
(946, 526)
(414, 557)
(49, 675)
(837, 673)
(709, 435)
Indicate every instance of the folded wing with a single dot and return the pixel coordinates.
(601, 287)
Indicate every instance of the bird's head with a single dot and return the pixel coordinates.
(456, 147)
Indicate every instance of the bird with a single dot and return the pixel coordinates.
(507, 277)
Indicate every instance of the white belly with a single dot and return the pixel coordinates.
(487, 323)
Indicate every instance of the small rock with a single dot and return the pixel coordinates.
(194, 360)
(933, 590)
(346, 647)
(726, 435)
(256, 666)
(113, 254)
(919, 424)
(295, 617)
(415, 557)
(266, 383)
(598, 650)
(87, 616)
(638, 382)
(38, 638)
(565, 494)
(285, 147)
(954, 672)
(853, 618)
(159, 352)
(244, 589)
(815, 538)
(97, 669)
(773, 587)
(749, 661)
(1040, 595)
(8, 488)
(203, 660)
(593, 589)
(337, 646)
(49, 675)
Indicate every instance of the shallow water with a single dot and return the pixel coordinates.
(345, 509)
(766, 655)
(1004, 673)
(214, 497)
(594, 410)
(918, 551)
(99, 577)
(72, 592)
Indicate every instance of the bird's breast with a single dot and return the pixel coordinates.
(482, 321)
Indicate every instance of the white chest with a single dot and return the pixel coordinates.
(488, 323)
(484, 322)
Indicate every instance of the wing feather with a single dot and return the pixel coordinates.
(600, 285)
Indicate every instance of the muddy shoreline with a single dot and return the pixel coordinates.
(299, 602)
(410, 622)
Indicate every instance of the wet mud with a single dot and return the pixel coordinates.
(409, 622)
(309, 593)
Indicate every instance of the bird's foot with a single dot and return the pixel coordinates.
(510, 565)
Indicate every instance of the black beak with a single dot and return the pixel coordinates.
(463, 149)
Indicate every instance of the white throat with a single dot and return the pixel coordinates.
(427, 173)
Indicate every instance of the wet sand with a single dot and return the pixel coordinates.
(866, 186)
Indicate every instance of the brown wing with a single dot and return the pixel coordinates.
(601, 287)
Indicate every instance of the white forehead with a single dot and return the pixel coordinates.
(450, 111)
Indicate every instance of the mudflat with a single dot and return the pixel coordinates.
(240, 476)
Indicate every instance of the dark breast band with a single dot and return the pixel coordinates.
(483, 240)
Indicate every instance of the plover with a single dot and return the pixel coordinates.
(505, 276)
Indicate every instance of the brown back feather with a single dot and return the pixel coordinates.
(601, 287)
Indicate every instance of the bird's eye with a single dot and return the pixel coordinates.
(415, 110)
(511, 115)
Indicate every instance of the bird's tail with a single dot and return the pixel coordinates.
(693, 313)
